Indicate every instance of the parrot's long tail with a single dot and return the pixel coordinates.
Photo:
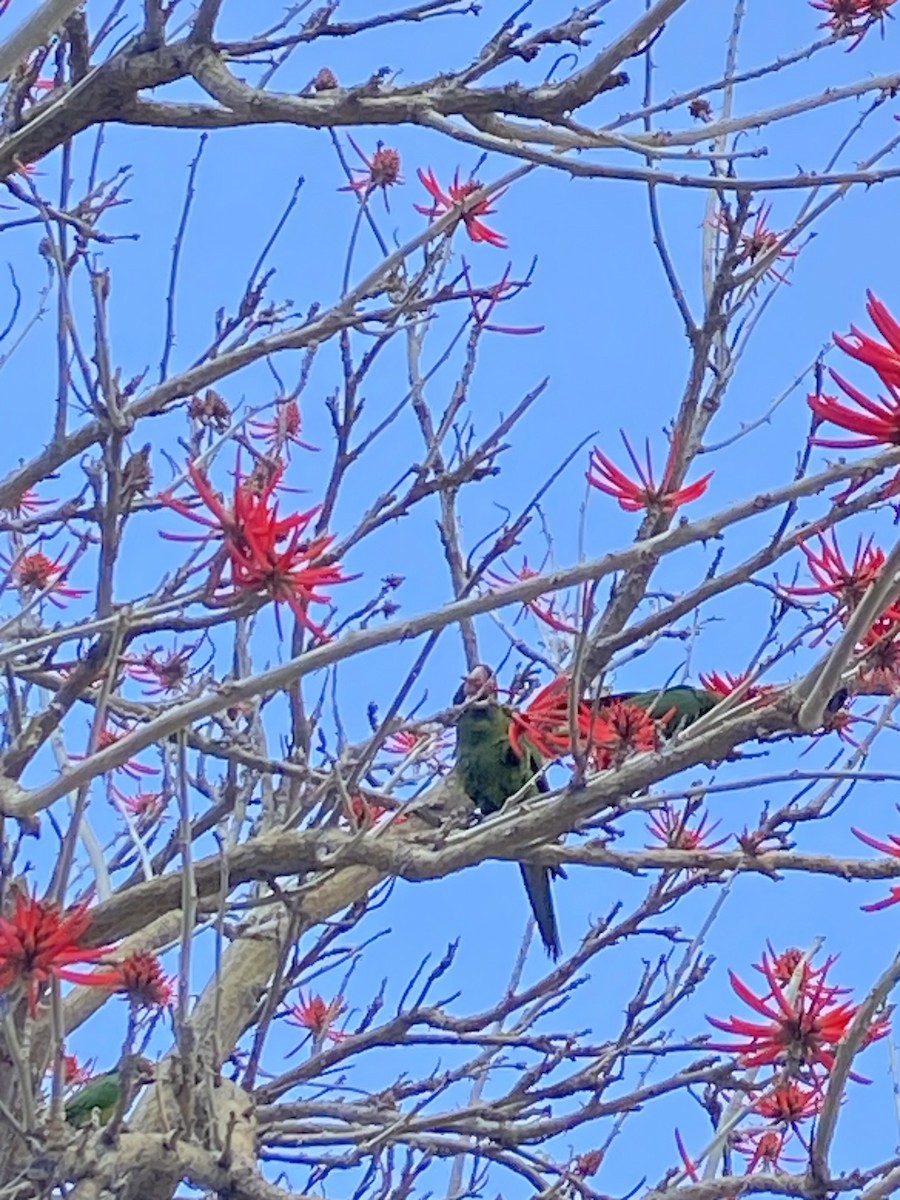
(537, 884)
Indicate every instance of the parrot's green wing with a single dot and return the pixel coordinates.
(101, 1093)
(684, 704)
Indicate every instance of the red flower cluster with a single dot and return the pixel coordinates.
(880, 672)
(283, 429)
(163, 675)
(367, 812)
(672, 828)
(608, 734)
(142, 979)
(618, 730)
(759, 241)
(891, 848)
(145, 807)
(35, 572)
(263, 553)
(853, 17)
(604, 475)
(802, 1024)
(109, 737)
(382, 171)
(442, 202)
(546, 611)
(317, 1017)
(848, 583)
(874, 422)
(832, 574)
(723, 683)
(39, 941)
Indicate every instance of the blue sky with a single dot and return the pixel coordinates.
(615, 354)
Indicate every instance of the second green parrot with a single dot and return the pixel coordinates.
(102, 1093)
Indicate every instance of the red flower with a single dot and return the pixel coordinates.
(802, 1031)
(617, 731)
(109, 737)
(789, 1102)
(834, 577)
(426, 745)
(382, 171)
(75, 1073)
(28, 504)
(604, 475)
(458, 194)
(35, 572)
(284, 427)
(892, 848)
(167, 675)
(145, 807)
(877, 421)
(264, 553)
(587, 1164)
(545, 611)
(142, 980)
(670, 827)
(39, 941)
(849, 17)
(880, 672)
(544, 724)
(492, 296)
(318, 1017)
(367, 812)
(759, 242)
(762, 1148)
(723, 683)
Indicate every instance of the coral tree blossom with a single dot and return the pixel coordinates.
(35, 572)
(723, 684)
(608, 734)
(40, 941)
(264, 553)
(382, 170)
(891, 848)
(545, 610)
(671, 827)
(834, 576)
(455, 197)
(801, 1026)
(847, 18)
(142, 980)
(604, 475)
(874, 422)
(317, 1016)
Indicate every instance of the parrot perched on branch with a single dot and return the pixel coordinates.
(491, 771)
(685, 704)
(102, 1094)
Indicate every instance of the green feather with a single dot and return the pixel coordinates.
(491, 771)
(101, 1093)
(686, 704)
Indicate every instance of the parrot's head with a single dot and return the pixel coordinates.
(478, 689)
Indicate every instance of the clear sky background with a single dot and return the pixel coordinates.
(615, 354)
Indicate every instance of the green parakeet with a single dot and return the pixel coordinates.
(686, 704)
(491, 771)
(102, 1093)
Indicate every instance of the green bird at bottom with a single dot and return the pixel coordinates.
(491, 771)
(102, 1093)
